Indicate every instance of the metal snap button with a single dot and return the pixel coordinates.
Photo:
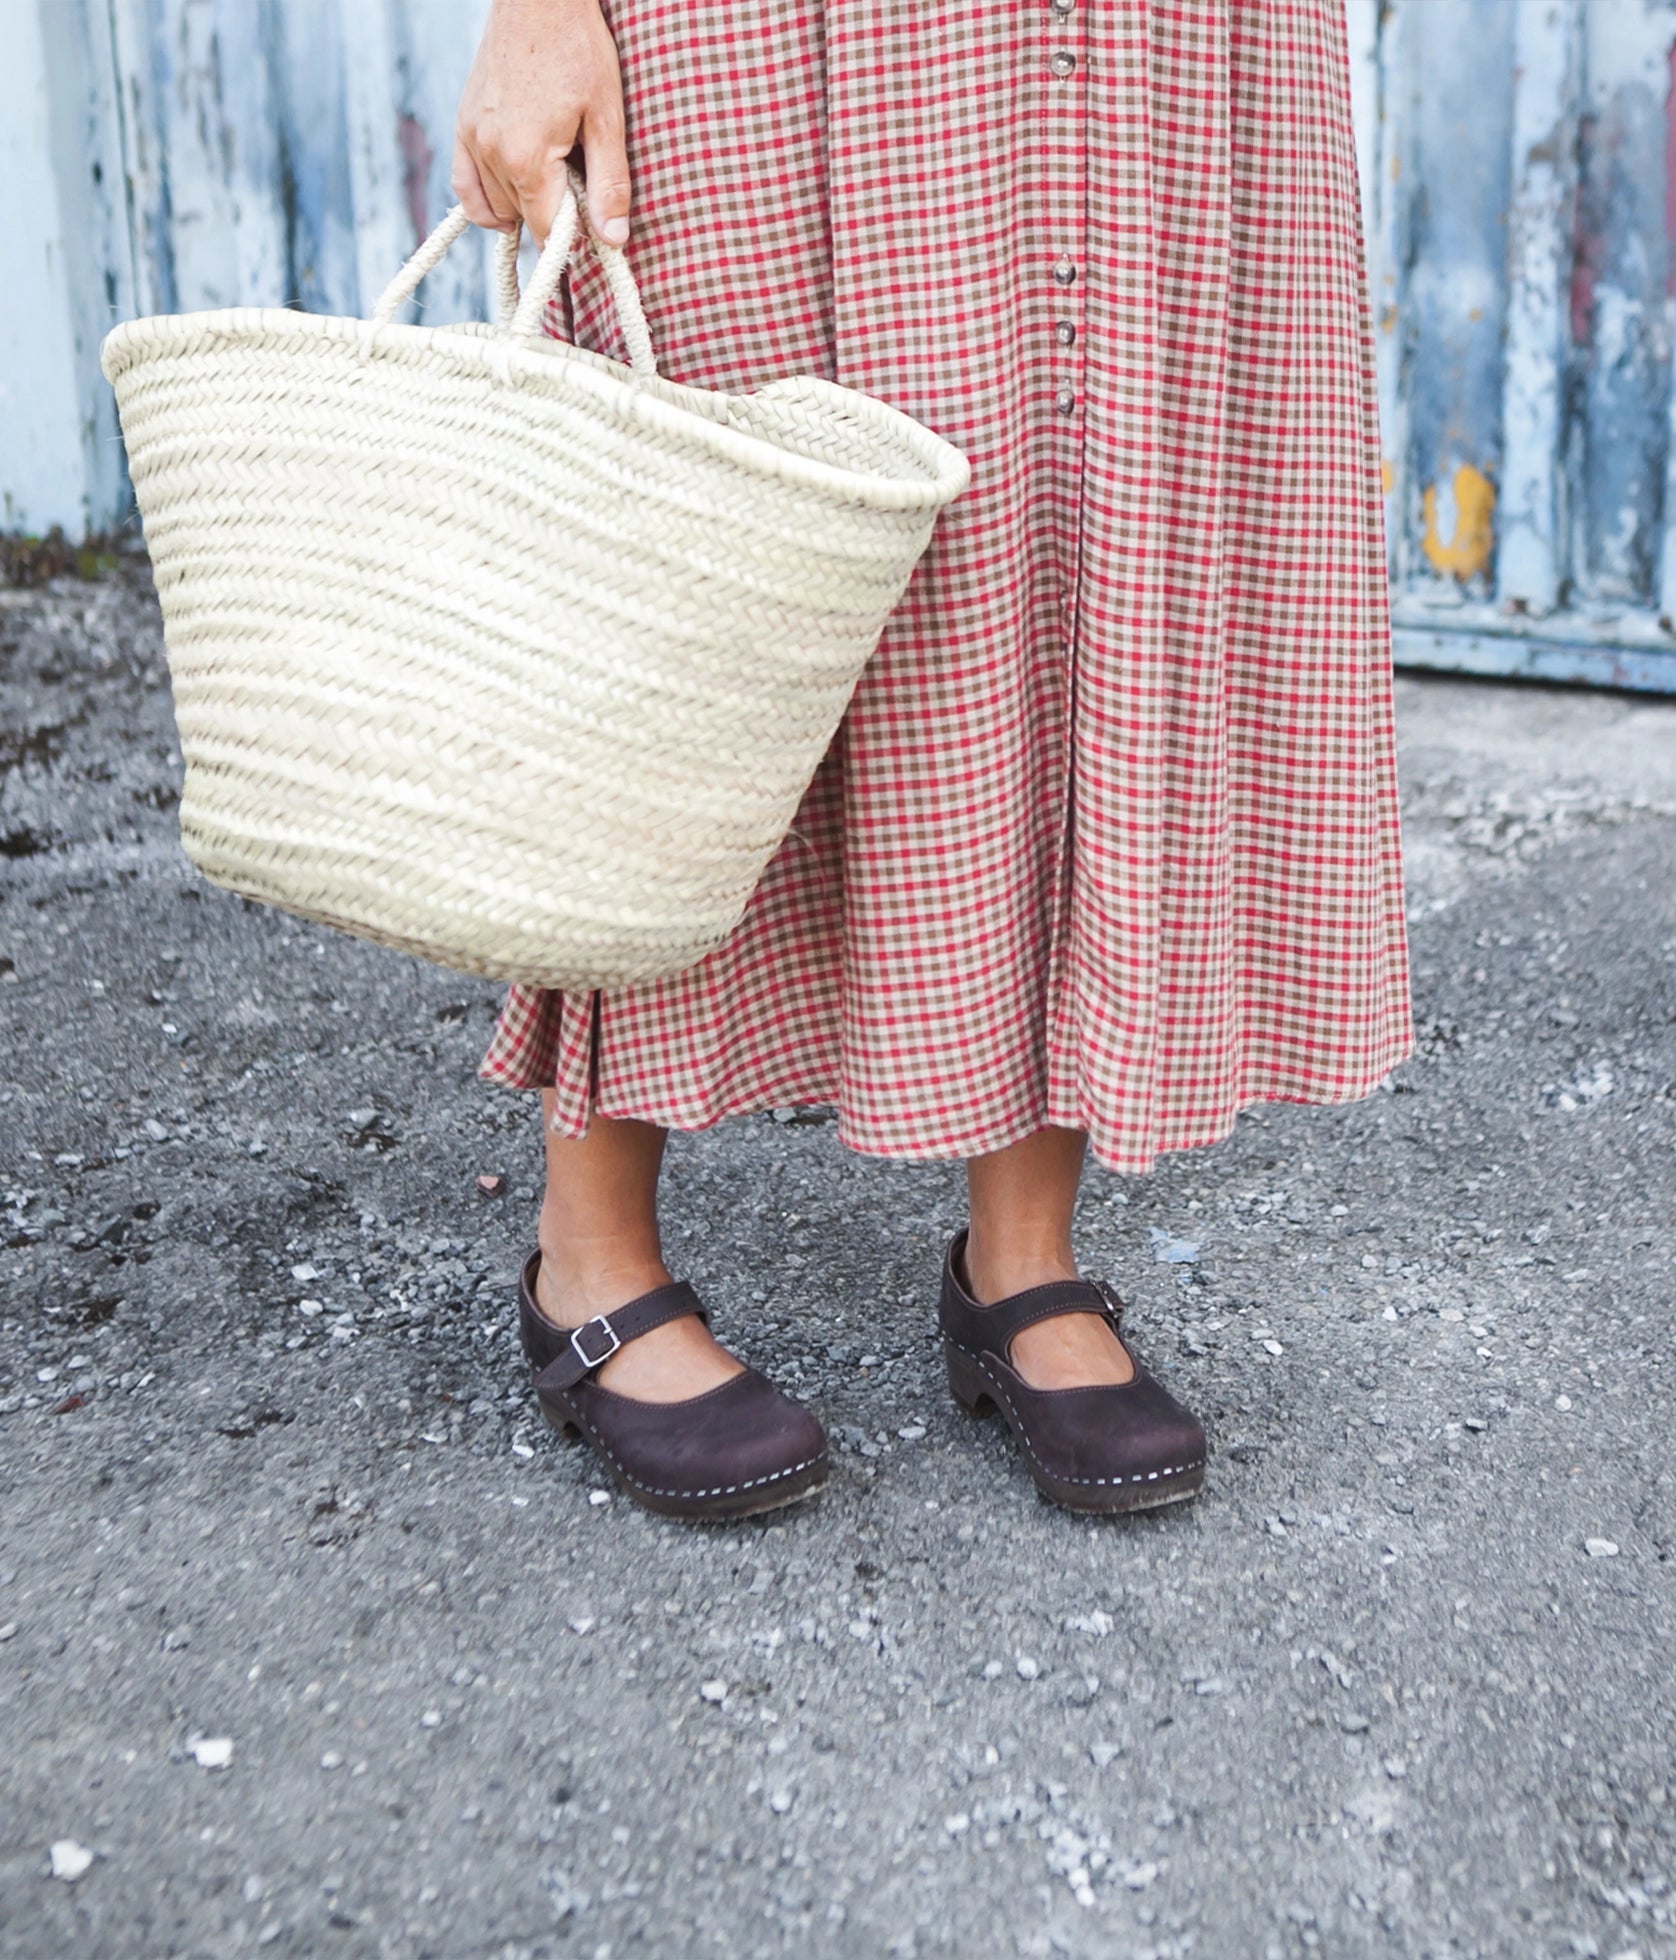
(1065, 270)
(1065, 401)
(1062, 62)
(1065, 332)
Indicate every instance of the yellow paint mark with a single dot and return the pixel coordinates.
(1468, 552)
(1387, 319)
(1387, 475)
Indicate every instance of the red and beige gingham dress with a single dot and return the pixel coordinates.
(1109, 836)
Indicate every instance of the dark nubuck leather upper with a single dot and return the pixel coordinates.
(1130, 1432)
(723, 1446)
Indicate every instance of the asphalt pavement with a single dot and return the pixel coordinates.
(314, 1641)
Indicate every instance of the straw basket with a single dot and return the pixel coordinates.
(490, 648)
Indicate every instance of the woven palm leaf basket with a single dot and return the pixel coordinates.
(491, 648)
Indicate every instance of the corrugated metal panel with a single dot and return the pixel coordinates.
(68, 268)
(289, 152)
(165, 155)
(1518, 168)
(1519, 188)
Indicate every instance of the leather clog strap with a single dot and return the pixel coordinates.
(1008, 1318)
(595, 1341)
(994, 1326)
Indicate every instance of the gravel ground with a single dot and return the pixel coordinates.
(314, 1641)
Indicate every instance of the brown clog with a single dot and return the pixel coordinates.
(1127, 1446)
(731, 1452)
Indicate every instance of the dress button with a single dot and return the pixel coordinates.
(1065, 401)
(1062, 62)
(1063, 7)
(1065, 332)
(1065, 270)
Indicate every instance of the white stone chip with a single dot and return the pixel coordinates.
(713, 1690)
(1600, 1547)
(1099, 1623)
(69, 1860)
(212, 1751)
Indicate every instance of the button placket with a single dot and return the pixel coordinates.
(1064, 51)
(1065, 109)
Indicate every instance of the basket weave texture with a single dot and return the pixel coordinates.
(493, 649)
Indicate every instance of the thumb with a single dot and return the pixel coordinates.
(606, 168)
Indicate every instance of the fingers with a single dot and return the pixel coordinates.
(527, 105)
(469, 188)
(540, 189)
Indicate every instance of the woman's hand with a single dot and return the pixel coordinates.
(545, 79)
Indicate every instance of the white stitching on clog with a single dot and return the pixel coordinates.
(1139, 1477)
(650, 1490)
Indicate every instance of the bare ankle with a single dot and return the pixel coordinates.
(569, 1290)
(668, 1364)
(996, 1273)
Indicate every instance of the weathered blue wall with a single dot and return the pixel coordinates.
(164, 155)
(1518, 168)
(1519, 186)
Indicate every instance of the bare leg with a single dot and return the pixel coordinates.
(1020, 1202)
(600, 1249)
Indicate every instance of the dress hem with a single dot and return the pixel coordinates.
(1119, 1162)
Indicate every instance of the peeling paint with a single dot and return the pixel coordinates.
(1588, 247)
(1516, 164)
(1472, 532)
(1670, 168)
(1618, 453)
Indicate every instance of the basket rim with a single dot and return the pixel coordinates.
(553, 366)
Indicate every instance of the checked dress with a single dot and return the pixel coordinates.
(1109, 837)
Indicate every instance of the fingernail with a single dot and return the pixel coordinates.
(615, 231)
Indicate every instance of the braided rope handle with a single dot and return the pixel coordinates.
(520, 314)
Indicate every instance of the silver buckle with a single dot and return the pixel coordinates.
(1114, 1303)
(595, 1360)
